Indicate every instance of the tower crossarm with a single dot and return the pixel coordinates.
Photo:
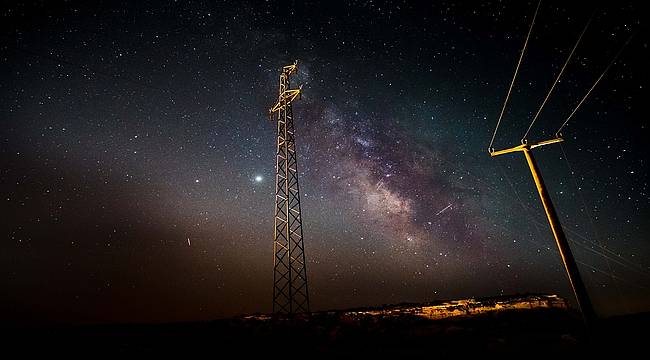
(526, 146)
(286, 97)
(290, 69)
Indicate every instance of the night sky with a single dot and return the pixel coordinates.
(137, 158)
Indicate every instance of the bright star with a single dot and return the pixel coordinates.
(258, 178)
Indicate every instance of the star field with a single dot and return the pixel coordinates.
(138, 159)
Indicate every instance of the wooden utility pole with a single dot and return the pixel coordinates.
(579, 289)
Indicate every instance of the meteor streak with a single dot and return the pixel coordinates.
(443, 210)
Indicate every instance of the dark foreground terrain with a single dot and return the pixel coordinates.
(528, 332)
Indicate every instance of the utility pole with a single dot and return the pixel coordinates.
(579, 289)
(290, 292)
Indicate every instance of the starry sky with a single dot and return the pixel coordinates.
(137, 158)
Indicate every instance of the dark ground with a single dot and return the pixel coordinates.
(540, 332)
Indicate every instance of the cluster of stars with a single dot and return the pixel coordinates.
(137, 152)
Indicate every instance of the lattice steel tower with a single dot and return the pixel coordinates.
(290, 293)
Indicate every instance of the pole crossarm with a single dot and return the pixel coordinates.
(287, 96)
(526, 146)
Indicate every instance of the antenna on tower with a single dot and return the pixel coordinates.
(290, 292)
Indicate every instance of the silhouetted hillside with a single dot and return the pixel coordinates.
(396, 330)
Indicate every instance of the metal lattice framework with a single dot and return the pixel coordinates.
(290, 292)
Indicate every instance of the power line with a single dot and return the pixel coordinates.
(557, 133)
(514, 77)
(614, 257)
(597, 238)
(557, 79)
(617, 277)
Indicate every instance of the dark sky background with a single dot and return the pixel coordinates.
(137, 158)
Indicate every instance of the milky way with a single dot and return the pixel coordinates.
(393, 185)
(137, 156)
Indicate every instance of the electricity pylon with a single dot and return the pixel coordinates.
(579, 289)
(290, 292)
